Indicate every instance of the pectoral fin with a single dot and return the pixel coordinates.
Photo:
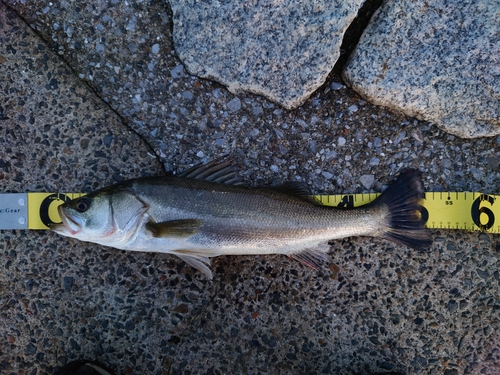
(174, 228)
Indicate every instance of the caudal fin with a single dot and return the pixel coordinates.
(404, 201)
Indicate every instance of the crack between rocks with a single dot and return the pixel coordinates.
(354, 32)
(85, 83)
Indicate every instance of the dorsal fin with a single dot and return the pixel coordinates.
(215, 171)
(298, 190)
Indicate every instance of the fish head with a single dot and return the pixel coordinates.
(106, 217)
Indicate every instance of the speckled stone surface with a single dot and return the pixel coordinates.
(374, 307)
(281, 50)
(436, 60)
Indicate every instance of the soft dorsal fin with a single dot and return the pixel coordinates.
(215, 171)
(298, 190)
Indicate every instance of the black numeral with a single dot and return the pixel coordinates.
(44, 207)
(476, 212)
(347, 201)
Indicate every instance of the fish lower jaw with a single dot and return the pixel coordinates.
(63, 230)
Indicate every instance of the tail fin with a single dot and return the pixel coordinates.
(404, 201)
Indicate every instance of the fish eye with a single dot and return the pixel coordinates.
(82, 204)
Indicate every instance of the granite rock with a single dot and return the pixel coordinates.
(281, 50)
(438, 61)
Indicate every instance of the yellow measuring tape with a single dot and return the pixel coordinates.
(441, 210)
(445, 210)
(42, 208)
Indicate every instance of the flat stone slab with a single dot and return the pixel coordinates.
(438, 61)
(281, 50)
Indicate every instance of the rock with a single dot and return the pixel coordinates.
(437, 62)
(283, 51)
(234, 105)
(367, 180)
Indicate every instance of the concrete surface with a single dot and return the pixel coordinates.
(436, 60)
(375, 307)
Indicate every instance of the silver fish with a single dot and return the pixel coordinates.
(205, 212)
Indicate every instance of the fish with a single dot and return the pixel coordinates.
(207, 212)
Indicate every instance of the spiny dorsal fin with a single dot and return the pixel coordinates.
(215, 171)
(174, 228)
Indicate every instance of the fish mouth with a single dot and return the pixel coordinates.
(69, 226)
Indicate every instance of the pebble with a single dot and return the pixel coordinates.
(178, 71)
(452, 306)
(327, 175)
(155, 49)
(187, 95)
(67, 283)
(341, 141)
(331, 155)
(482, 273)
(353, 108)
(234, 104)
(399, 138)
(477, 173)
(130, 26)
(302, 123)
(257, 110)
(367, 180)
(336, 86)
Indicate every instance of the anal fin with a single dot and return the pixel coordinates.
(313, 258)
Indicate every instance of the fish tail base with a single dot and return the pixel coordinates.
(403, 198)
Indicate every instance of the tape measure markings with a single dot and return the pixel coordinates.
(471, 211)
